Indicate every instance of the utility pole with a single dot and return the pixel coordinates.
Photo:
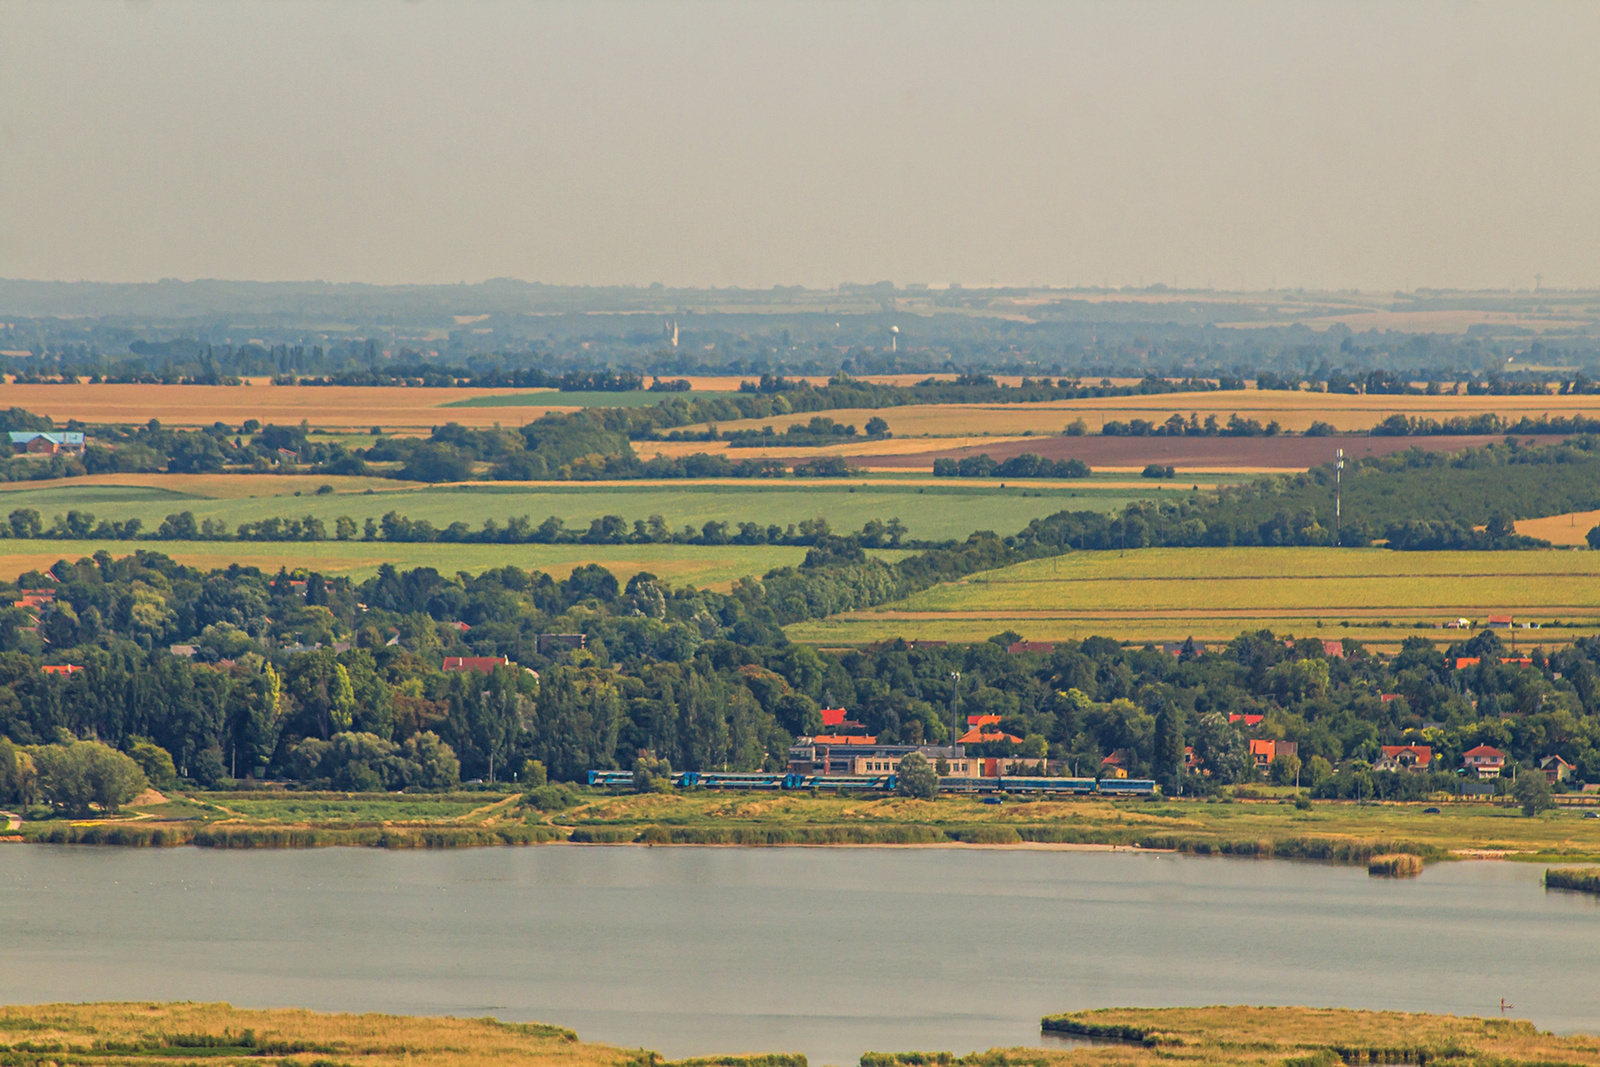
(955, 689)
(1338, 497)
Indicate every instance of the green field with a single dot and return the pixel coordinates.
(933, 512)
(1375, 595)
(551, 398)
(704, 567)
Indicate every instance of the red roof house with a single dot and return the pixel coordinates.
(1264, 751)
(1404, 758)
(481, 664)
(1484, 761)
(977, 736)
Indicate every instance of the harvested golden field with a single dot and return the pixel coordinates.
(396, 409)
(331, 407)
(1293, 410)
(729, 383)
(1569, 529)
(1212, 594)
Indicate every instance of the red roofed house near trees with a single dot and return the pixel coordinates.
(977, 733)
(481, 664)
(1484, 761)
(1404, 758)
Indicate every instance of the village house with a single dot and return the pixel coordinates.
(481, 664)
(1483, 761)
(1264, 751)
(1116, 765)
(1016, 648)
(837, 720)
(1404, 758)
(881, 763)
(982, 728)
(555, 642)
(861, 754)
(33, 443)
(998, 766)
(1556, 769)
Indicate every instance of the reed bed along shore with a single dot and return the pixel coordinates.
(184, 1034)
(1583, 879)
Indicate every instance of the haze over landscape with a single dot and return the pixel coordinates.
(1196, 144)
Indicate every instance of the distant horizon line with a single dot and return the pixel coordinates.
(839, 287)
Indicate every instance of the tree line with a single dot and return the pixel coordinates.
(335, 683)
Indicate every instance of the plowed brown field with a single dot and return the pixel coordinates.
(1185, 453)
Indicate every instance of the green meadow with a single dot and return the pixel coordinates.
(932, 512)
(715, 567)
(1166, 594)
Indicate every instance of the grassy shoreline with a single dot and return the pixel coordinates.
(1263, 826)
(181, 1034)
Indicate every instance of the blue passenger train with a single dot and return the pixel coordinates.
(886, 783)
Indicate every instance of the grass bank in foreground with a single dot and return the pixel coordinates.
(156, 1035)
(170, 1035)
(1328, 830)
(1299, 1037)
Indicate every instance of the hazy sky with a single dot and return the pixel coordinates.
(1378, 145)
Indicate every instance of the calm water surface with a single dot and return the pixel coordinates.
(825, 951)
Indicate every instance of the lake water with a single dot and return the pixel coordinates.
(829, 952)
